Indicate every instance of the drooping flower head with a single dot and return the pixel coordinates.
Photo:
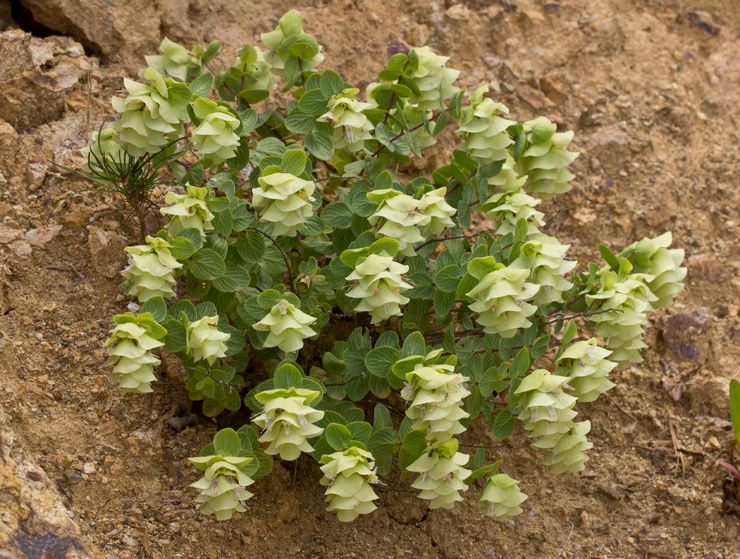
(502, 497)
(223, 484)
(349, 475)
(130, 346)
(500, 297)
(379, 282)
(544, 257)
(152, 114)
(398, 216)
(150, 272)
(546, 159)
(173, 60)
(433, 205)
(588, 368)
(284, 200)
(287, 325)
(288, 421)
(505, 209)
(433, 79)
(189, 210)
(215, 137)
(288, 39)
(104, 148)
(205, 341)
(441, 476)
(484, 129)
(351, 126)
(652, 257)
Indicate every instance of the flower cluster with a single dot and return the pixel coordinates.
(288, 39)
(152, 115)
(502, 497)
(546, 159)
(287, 325)
(351, 125)
(284, 200)
(505, 209)
(151, 268)
(500, 297)
(104, 148)
(435, 395)
(483, 129)
(620, 307)
(441, 474)
(407, 219)
(215, 137)
(222, 486)
(543, 256)
(173, 60)
(288, 421)
(348, 475)
(188, 211)
(652, 257)
(588, 368)
(433, 79)
(379, 286)
(548, 417)
(205, 341)
(507, 179)
(130, 346)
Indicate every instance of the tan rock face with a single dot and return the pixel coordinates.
(33, 520)
(35, 76)
(119, 30)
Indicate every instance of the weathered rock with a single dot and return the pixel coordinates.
(33, 520)
(106, 251)
(704, 21)
(120, 30)
(42, 235)
(682, 331)
(35, 75)
(709, 393)
(703, 267)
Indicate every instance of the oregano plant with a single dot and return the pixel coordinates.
(308, 272)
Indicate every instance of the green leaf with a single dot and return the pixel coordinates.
(183, 306)
(414, 344)
(380, 359)
(361, 430)
(448, 278)
(223, 222)
(338, 436)
(202, 85)
(503, 424)
(287, 375)
(227, 442)
(294, 162)
(304, 46)
(241, 158)
(318, 145)
(735, 407)
(313, 103)
(521, 363)
(609, 257)
(249, 119)
(207, 264)
(157, 307)
(414, 445)
(382, 443)
(251, 246)
(382, 417)
(235, 278)
(337, 215)
(176, 339)
(331, 83)
(299, 122)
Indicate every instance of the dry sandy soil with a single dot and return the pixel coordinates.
(652, 89)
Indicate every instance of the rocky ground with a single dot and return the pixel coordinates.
(652, 89)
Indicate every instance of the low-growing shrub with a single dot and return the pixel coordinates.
(363, 313)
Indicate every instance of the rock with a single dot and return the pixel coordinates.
(534, 97)
(33, 520)
(120, 30)
(88, 468)
(681, 332)
(34, 82)
(42, 235)
(610, 144)
(21, 248)
(35, 175)
(106, 251)
(9, 234)
(180, 423)
(709, 393)
(705, 267)
(704, 21)
(553, 90)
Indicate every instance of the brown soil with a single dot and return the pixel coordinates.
(652, 89)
